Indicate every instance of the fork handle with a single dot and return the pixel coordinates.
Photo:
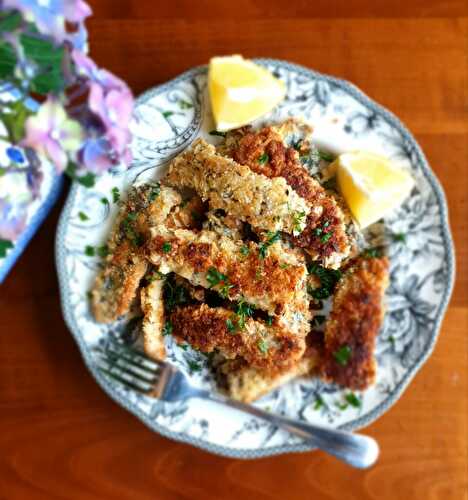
(355, 449)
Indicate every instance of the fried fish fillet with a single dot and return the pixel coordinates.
(218, 329)
(354, 323)
(265, 153)
(246, 383)
(116, 284)
(269, 281)
(152, 305)
(265, 203)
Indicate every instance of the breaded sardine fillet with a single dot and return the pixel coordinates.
(207, 329)
(246, 383)
(152, 305)
(236, 270)
(266, 153)
(355, 320)
(115, 286)
(265, 203)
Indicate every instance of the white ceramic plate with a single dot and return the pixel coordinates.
(167, 119)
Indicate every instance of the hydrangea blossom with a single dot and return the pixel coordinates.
(50, 16)
(52, 133)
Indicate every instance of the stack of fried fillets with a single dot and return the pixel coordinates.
(240, 268)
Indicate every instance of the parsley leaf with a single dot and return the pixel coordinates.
(167, 328)
(328, 281)
(372, 253)
(115, 194)
(183, 104)
(272, 237)
(319, 402)
(353, 400)
(82, 216)
(399, 237)
(244, 250)
(264, 158)
(193, 366)
(154, 193)
(102, 251)
(262, 346)
(167, 114)
(342, 355)
(166, 247)
(299, 219)
(89, 251)
(230, 326)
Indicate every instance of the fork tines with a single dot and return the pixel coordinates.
(128, 366)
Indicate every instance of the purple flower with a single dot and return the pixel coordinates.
(50, 15)
(52, 133)
(111, 101)
(12, 219)
(96, 155)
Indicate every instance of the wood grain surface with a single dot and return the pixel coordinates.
(61, 437)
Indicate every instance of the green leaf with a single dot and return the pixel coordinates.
(244, 250)
(353, 400)
(102, 251)
(83, 217)
(15, 119)
(167, 114)
(262, 346)
(166, 248)
(319, 402)
(89, 251)
(7, 60)
(88, 180)
(193, 366)
(264, 158)
(230, 325)
(115, 194)
(9, 21)
(342, 355)
(49, 59)
(4, 246)
(183, 104)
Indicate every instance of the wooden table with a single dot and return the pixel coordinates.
(62, 437)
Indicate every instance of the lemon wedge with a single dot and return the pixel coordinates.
(371, 185)
(241, 91)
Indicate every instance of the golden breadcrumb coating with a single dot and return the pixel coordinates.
(265, 203)
(265, 152)
(354, 323)
(152, 305)
(116, 284)
(208, 329)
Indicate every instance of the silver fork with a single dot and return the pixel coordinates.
(164, 381)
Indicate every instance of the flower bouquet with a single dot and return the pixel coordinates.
(59, 114)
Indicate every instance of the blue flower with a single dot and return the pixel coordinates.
(15, 155)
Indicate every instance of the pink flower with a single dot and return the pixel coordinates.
(111, 101)
(52, 133)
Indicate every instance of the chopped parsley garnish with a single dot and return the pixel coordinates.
(167, 114)
(174, 294)
(230, 326)
(328, 280)
(214, 278)
(220, 134)
(318, 320)
(167, 328)
(104, 201)
(244, 250)
(325, 237)
(128, 228)
(115, 194)
(102, 251)
(166, 247)
(319, 402)
(89, 251)
(297, 144)
(269, 320)
(272, 237)
(264, 158)
(82, 216)
(184, 347)
(298, 222)
(193, 366)
(262, 346)
(154, 193)
(353, 400)
(326, 156)
(243, 310)
(183, 104)
(391, 339)
(372, 253)
(399, 237)
(284, 265)
(342, 355)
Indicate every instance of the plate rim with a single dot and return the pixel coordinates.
(379, 410)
